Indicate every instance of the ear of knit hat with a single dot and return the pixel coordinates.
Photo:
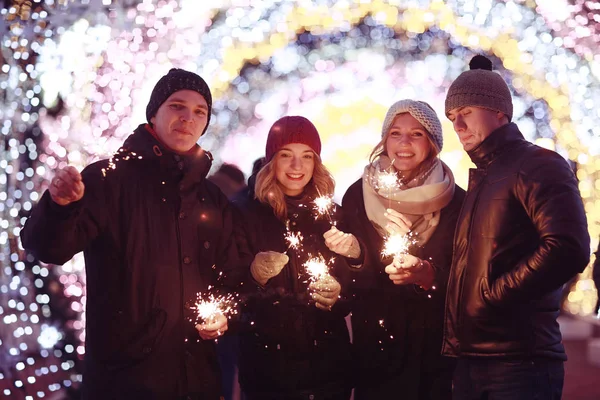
(420, 111)
(175, 80)
(480, 87)
(292, 129)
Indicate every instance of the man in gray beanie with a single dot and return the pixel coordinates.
(154, 232)
(522, 234)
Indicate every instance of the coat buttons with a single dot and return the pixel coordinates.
(187, 260)
(207, 244)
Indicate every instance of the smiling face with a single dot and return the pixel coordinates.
(474, 124)
(181, 119)
(407, 143)
(294, 165)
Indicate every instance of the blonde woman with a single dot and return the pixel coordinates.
(397, 312)
(294, 342)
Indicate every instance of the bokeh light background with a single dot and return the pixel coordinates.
(75, 78)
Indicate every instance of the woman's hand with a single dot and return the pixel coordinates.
(407, 269)
(213, 328)
(266, 265)
(344, 244)
(326, 292)
(398, 223)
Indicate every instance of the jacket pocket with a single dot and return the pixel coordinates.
(131, 343)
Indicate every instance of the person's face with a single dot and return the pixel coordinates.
(474, 124)
(181, 119)
(294, 166)
(407, 143)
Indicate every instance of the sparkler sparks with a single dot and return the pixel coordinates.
(323, 206)
(396, 244)
(294, 239)
(317, 268)
(387, 180)
(208, 306)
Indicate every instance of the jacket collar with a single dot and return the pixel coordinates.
(142, 144)
(497, 142)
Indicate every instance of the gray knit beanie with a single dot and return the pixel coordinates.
(420, 111)
(175, 80)
(480, 87)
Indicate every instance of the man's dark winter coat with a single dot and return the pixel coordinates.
(522, 234)
(154, 232)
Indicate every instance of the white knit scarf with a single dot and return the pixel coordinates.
(420, 200)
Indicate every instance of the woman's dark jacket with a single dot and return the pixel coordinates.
(522, 234)
(154, 232)
(397, 329)
(289, 348)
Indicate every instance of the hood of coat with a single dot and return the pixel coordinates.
(195, 165)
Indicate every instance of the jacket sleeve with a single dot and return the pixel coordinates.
(243, 281)
(366, 277)
(547, 189)
(233, 259)
(54, 233)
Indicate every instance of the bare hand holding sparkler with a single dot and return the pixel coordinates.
(408, 269)
(214, 327)
(266, 265)
(211, 312)
(67, 186)
(399, 224)
(344, 244)
(326, 291)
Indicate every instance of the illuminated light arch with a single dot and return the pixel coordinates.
(525, 78)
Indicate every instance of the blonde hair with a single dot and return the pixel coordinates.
(268, 190)
(379, 150)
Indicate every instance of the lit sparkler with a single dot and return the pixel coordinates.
(208, 306)
(323, 206)
(316, 268)
(387, 180)
(397, 244)
(294, 239)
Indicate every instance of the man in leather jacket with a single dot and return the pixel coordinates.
(521, 234)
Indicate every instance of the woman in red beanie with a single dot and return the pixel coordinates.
(398, 304)
(294, 342)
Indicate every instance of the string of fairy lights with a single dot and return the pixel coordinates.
(75, 77)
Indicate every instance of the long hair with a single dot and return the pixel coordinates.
(268, 190)
(379, 150)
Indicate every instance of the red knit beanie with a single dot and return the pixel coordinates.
(292, 129)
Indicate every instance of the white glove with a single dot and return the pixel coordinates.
(344, 244)
(266, 265)
(326, 292)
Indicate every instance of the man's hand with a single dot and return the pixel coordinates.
(266, 265)
(66, 187)
(407, 269)
(344, 244)
(214, 328)
(326, 292)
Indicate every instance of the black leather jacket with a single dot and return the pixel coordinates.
(522, 233)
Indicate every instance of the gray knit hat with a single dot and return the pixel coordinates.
(480, 87)
(420, 111)
(175, 80)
